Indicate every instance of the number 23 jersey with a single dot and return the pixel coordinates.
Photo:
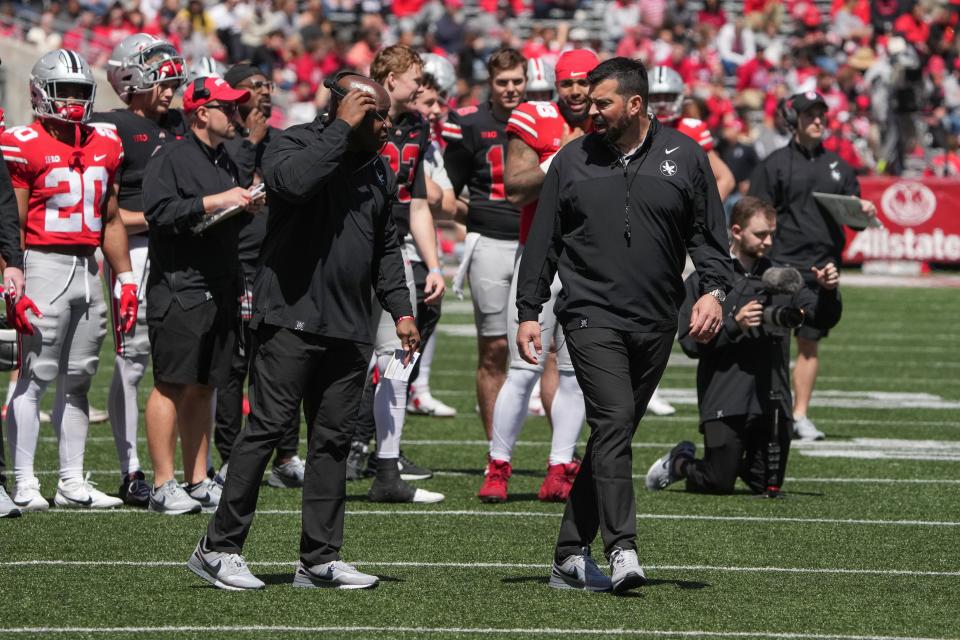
(68, 184)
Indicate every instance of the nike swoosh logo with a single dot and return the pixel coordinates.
(83, 503)
(669, 151)
(833, 165)
(214, 567)
(99, 158)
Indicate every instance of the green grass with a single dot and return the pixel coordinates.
(887, 537)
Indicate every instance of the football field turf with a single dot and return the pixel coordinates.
(867, 544)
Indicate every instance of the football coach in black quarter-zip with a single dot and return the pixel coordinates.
(619, 209)
(330, 236)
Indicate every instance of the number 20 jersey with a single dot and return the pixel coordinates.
(68, 184)
(475, 156)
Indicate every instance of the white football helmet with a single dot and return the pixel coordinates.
(49, 81)
(205, 67)
(139, 62)
(443, 72)
(541, 76)
(666, 93)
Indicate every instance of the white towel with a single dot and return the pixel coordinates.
(468, 246)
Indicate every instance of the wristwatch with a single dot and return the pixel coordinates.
(718, 294)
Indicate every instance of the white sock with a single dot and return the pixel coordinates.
(23, 426)
(510, 411)
(124, 410)
(389, 410)
(421, 386)
(567, 415)
(71, 421)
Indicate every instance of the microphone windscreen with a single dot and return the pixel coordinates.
(782, 280)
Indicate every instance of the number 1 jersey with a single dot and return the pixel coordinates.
(68, 184)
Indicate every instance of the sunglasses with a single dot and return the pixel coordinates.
(228, 109)
(259, 85)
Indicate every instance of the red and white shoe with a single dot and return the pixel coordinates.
(556, 486)
(424, 404)
(494, 487)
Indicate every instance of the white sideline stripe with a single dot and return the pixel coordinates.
(697, 633)
(546, 514)
(492, 565)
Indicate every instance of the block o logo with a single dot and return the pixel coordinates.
(908, 203)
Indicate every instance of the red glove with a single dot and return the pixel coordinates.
(128, 307)
(17, 314)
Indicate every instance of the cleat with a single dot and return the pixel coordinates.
(288, 475)
(804, 429)
(579, 572)
(410, 471)
(494, 488)
(556, 486)
(388, 486)
(355, 460)
(424, 404)
(96, 416)
(206, 492)
(223, 570)
(170, 499)
(45, 417)
(332, 575)
(7, 508)
(625, 570)
(80, 494)
(661, 473)
(658, 406)
(26, 496)
(134, 489)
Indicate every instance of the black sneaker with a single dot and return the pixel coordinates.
(134, 489)
(410, 471)
(355, 460)
(388, 486)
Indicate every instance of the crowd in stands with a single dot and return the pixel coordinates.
(889, 69)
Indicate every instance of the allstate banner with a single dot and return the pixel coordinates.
(921, 220)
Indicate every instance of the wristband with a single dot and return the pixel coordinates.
(545, 165)
(436, 270)
(402, 318)
(126, 278)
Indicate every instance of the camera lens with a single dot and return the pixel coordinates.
(781, 316)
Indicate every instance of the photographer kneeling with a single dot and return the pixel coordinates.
(743, 377)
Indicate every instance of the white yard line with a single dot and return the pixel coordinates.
(558, 632)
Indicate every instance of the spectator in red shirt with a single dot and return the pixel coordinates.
(914, 28)
(361, 54)
(712, 14)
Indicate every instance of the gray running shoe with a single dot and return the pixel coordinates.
(625, 570)
(804, 429)
(579, 572)
(332, 575)
(7, 508)
(356, 460)
(288, 475)
(171, 500)
(207, 493)
(661, 474)
(223, 570)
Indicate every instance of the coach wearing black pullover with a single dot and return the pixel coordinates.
(618, 210)
(330, 236)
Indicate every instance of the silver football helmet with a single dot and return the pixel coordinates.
(541, 76)
(62, 87)
(205, 67)
(140, 62)
(443, 72)
(666, 93)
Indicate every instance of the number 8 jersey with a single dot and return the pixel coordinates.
(68, 185)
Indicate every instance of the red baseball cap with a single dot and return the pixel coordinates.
(576, 64)
(204, 90)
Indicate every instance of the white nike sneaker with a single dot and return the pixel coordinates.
(288, 475)
(7, 508)
(223, 570)
(424, 404)
(45, 417)
(97, 415)
(579, 572)
(27, 496)
(171, 500)
(332, 575)
(80, 494)
(207, 493)
(658, 406)
(625, 570)
(804, 429)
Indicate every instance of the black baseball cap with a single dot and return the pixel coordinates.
(803, 102)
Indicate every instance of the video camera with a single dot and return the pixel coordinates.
(779, 320)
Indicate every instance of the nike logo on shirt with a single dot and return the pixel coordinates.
(669, 151)
(833, 165)
(99, 158)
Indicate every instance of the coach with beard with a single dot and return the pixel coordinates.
(618, 210)
(330, 238)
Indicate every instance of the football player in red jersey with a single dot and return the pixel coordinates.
(63, 171)
(537, 130)
(475, 157)
(145, 72)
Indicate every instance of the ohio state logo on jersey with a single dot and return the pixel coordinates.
(68, 185)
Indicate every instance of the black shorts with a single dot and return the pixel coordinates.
(813, 334)
(195, 345)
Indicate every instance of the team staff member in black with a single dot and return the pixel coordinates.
(618, 209)
(330, 236)
(192, 291)
(743, 374)
(807, 236)
(247, 151)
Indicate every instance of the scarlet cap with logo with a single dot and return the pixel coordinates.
(576, 64)
(217, 89)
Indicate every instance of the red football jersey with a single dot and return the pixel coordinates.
(696, 129)
(540, 125)
(68, 185)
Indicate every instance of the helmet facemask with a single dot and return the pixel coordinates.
(666, 106)
(65, 100)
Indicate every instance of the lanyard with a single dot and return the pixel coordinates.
(629, 184)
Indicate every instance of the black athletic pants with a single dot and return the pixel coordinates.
(618, 373)
(328, 375)
(229, 414)
(737, 447)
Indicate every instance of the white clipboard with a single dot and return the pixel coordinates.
(259, 191)
(846, 210)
